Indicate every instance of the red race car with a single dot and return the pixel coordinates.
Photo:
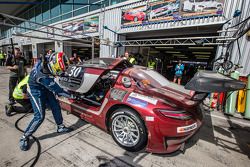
(134, 16)
(138, 106)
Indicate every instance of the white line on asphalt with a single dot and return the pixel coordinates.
(219, 117)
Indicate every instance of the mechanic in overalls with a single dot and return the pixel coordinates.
(21, 97)
(42, 90)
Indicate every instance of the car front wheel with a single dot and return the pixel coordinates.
(128, 129)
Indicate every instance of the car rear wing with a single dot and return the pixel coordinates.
(208, 81)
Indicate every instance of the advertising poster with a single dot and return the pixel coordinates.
(86, 25)
(198, 8)
(162, 10)
(134, 15)
(91, 24)
(170, 10)
(72, 28)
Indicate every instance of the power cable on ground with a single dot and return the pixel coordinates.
(33, 137)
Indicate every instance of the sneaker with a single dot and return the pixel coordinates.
(63, 129)
(8, 110)
(24, 143)
(12, 102)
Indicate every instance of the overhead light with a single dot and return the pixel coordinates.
(202, 55)
(179, 55)
(171, 52)
(202, 47)
(164, 47)
(154, 51)
(205, 58)
(84, 49)
(205, 53)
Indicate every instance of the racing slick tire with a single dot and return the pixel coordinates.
(128, 129)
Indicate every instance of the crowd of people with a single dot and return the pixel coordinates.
(179, 72)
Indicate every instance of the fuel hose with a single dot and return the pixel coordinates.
(33, 137)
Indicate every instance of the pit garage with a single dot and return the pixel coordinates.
(196, 50)
(83, 48)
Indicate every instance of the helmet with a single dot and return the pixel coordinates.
(58, 63)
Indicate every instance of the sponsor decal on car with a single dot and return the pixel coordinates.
(117, 94)
(144, 98)
(137, 102)
(188, 128)
(149, 118)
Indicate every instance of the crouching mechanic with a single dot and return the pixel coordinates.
(42, 90)
(20, 96)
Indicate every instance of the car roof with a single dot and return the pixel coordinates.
(104, 63)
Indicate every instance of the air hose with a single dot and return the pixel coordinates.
(33, 137)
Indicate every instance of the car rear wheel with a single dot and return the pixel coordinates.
(128, 130)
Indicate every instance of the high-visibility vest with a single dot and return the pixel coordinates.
(1, 56)
(132, 60)
(151, 65)
(18, 91)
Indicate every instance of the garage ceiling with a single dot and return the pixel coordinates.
(15, 7)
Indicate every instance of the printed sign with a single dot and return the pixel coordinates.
(117, 94)
(188, 128)
(169, 10)
(91, 24)
(144, 98)
(198, 8)
(73, 28)
(137, 102)
(87, 25)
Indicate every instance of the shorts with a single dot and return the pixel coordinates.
(178, 76)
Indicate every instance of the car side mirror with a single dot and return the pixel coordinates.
(126, 82)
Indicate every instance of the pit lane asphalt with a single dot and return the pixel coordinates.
(222, 141)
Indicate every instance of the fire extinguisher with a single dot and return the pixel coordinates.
(214, 99)
(242, 95)
(232, 97)
(220, 102)
(247, 112)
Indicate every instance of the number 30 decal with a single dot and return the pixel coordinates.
(75, 71)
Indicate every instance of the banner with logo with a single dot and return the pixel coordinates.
(79, 27)
(197, 8)
(155, 11)
(91, 24)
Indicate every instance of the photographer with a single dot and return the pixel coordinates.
(17, 66)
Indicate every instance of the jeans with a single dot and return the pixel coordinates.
(12, 84)
(39, 99)
(25, 105)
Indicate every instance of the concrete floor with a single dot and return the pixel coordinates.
(221, 141)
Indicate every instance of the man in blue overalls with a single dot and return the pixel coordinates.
(42, 90)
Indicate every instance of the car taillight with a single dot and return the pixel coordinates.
(176, 114)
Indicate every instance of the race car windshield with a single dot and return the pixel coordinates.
(149, 78)
(100, 62)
